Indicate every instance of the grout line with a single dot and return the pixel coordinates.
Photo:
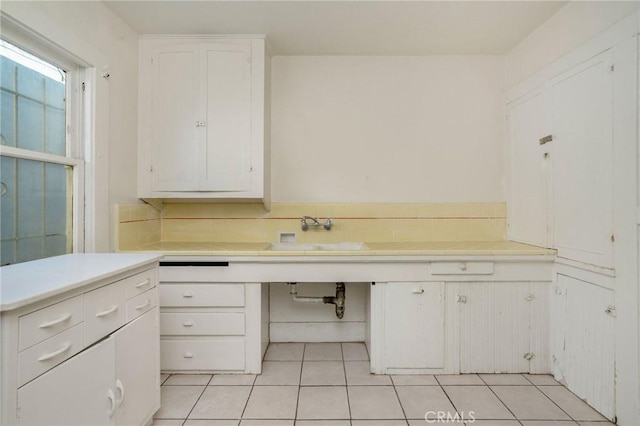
(295, 415)
(549, 398)
(346, 385)
(502, 402)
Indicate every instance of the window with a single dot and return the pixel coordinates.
(40, 164)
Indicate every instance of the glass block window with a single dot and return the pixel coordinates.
(36, 171)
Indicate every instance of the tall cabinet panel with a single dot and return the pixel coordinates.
(176, 151)
(529, 167)
(227, 70)
(581, 105)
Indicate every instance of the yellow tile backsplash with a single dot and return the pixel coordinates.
(140, 224)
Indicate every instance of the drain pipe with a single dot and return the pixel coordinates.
(337, 300)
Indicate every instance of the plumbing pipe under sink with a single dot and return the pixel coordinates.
(337, 300)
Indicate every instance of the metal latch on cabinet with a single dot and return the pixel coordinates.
(611, 310)
(529, 356)
(462, 298)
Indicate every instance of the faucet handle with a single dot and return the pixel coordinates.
(327, 224)
(303, 224)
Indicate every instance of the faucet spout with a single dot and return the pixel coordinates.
(304, 225)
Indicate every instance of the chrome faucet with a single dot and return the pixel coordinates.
(305, 225)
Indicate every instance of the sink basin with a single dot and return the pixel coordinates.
(318, 247)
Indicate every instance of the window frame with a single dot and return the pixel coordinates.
(76, 117)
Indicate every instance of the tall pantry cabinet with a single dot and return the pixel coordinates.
(572, 130)
(203, 118)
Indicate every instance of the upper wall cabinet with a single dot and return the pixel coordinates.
(202, 127)
(561, 162)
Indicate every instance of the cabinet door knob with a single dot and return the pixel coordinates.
(462, 266)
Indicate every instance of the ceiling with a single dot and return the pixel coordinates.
(349, 27)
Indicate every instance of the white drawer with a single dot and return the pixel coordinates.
(104, 311)
(37, 359)
(141, 304)
(202, 324)
(139, 283)
(47, 322)
(213, 355)
(202, 295)
(461, 268)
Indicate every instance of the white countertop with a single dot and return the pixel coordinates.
(29, 282)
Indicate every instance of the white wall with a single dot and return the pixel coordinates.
(574, 24)
(92, 33)
(387, 129)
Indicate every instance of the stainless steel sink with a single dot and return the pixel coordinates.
(318, 247)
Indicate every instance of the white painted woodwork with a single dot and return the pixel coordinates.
(104, 311)
(210, 326)
(177, 143)
(583, 334)
(204, 295)
(137, 364)
(74, 393)
(202, 323)
(500, 323)
(68, 378)
(202, 355)
(528, 168)
(47, 322)
(202, 118)
(581, 107)
(414, 325)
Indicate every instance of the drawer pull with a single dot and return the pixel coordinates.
(188, 355)
(54, 354)
(187, 294)
(111, 310)
(112, 401)
(188, 323)
(120, 387)
(462, 266)
(418, 291)
(143, 283)
(144, 305)
(63, 318)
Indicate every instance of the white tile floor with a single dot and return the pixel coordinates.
(328, 384)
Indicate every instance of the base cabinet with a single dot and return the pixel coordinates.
(414, 325)
(115, 382)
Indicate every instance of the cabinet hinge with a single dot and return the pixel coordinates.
(611, 310)
(84, 87)
(251, 168)
(529, 356)
(612, 68)
(613, 238)
(151, 169)
(462, 298)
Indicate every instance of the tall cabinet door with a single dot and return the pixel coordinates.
(529, 167)
(582, 106)
(178, 121)
(137, 384)
(75, 393)
(226, 71)
(414, 325)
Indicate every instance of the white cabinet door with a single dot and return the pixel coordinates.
(504, 327)
(176, 157)
(227, 88)
(414, 325)
(137, 370)
(581, 106)
(78, 392)
(529, 167)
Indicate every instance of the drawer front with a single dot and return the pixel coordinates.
(192, 355)
(202, 324)
(37, 359)
(462, 268)
(202, 295)
(105, 310)
(141, 304)
(47, 322)
(140, 283)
